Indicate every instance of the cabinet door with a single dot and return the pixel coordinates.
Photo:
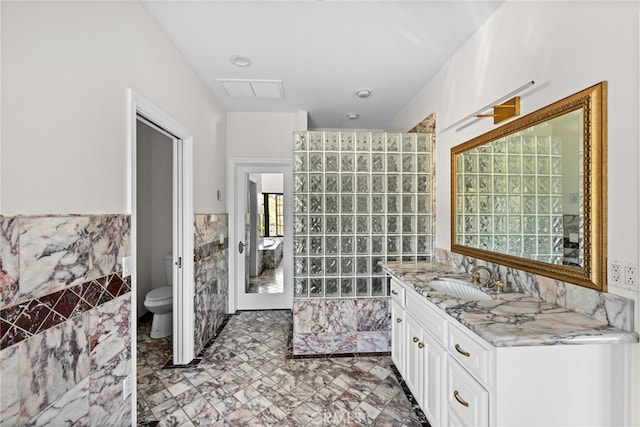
(398, 341)
(435, 387)
(414, 368)
(467, 400)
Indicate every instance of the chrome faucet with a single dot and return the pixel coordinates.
(475, 275)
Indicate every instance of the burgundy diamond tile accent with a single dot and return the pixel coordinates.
(92, 293)
(11, 314)
(33, 316)
(14, 336)
(115, 284)
(103, 281)
(20, 321)
(67, 303)
(79, 289)
(51, 299)
(81, 307)
(105, 298)
(4, 328)
(52, 320)
(124, 289)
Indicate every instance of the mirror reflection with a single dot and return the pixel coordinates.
(531, 194)
(265, 231)
(522, 194)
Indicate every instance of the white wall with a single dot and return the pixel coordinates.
(272, 183)
(564, 47)
(263, 134)
(66, 67)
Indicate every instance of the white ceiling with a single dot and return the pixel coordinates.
(322, 51)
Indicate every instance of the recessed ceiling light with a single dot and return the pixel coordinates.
(241, 61)
(353, 116)
(363, 93)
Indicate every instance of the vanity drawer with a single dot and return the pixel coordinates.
(428, 316)
(467, 400)
(471, 354)
(397, 292)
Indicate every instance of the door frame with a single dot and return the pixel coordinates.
(258, 165)
(183, 296)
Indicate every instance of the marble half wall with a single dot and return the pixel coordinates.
(613, 309)
(341, 326)
(65, 337)
(211, 266)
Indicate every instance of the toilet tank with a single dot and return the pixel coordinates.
(168, 261)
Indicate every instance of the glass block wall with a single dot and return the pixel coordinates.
(359, 198)
(510, 197)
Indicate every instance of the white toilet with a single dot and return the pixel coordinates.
(160, 302)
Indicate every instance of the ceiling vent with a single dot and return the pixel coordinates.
(258, 89)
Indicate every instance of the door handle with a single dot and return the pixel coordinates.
(241, 246)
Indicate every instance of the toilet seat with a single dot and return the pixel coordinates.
(161, 294)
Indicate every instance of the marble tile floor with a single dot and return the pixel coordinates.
(246, 378)
(270, 281)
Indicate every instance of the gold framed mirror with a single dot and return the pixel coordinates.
(532, 194)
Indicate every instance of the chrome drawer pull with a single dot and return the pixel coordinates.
(394, 292)
(416, 339)
(420, 345)
(461, 351)
(398, 320)
(460, 399)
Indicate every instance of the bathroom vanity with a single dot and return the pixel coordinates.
(509, 360)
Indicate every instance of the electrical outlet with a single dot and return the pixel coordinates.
(127, 266)
(631, 275)
(615, 274)
(126, 387)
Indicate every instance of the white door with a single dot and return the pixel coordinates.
(183, 274)
(242, 297)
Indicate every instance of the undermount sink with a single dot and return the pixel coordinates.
(459, 289)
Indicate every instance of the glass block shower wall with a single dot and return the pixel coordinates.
(511, 195)
(359, 198)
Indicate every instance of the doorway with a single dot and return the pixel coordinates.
(155, 218)
(181, 229)
(261, 229)
(266, 233)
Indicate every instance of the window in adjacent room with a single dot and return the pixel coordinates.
(274, 214)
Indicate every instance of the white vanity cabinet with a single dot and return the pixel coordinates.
(459, 379)
(426, 356)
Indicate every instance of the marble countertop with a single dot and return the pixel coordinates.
(509, 319)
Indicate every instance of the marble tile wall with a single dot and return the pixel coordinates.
(427, 125)
(341, 326)
(65, 343)
(607, 307)
(211, 275)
